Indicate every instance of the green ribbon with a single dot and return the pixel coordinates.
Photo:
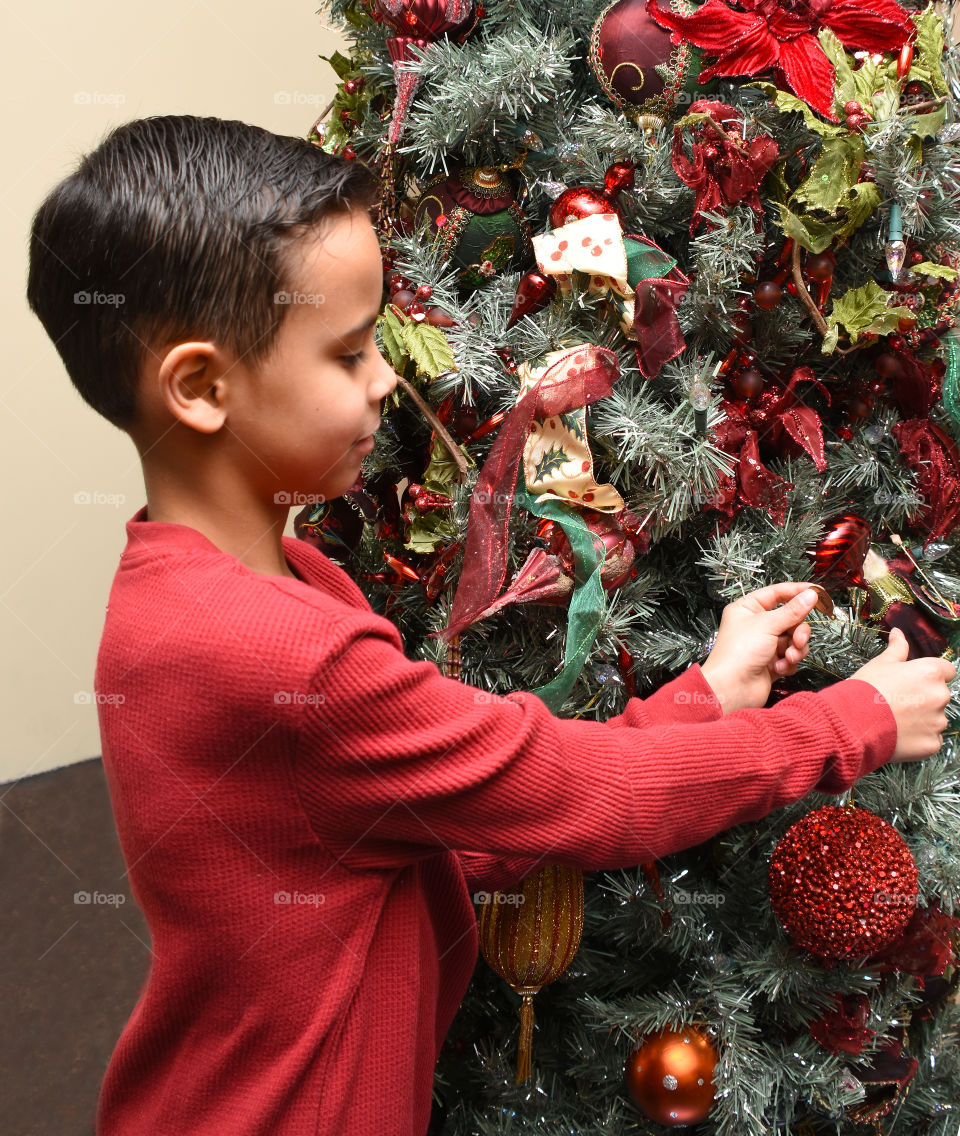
(951, 385)
(588, 602)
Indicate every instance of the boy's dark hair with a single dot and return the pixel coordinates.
(176, 228)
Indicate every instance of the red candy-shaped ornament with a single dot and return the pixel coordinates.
(581, 201)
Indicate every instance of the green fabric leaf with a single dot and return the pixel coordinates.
(887, 101)
(865, 309)
(391, 336)
(845, 83)
(928, 50)
(436, 529)
(427, 346)
(789, 104)
(927, 125)
(928, 268)
(807, 231)
(830, 340)
(862, 202)
(644, 262)
(833, 174)
(340, 63)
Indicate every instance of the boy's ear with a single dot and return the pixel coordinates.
(192, 387)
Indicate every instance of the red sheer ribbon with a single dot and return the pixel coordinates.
(583, 376)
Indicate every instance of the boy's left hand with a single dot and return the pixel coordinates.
(758, 642)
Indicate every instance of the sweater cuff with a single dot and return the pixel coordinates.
(867, 714)
(686, 699)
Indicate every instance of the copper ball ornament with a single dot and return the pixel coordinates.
(670, 1077)
(842, 883)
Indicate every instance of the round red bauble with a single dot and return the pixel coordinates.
(842, 883)
(670, 1077)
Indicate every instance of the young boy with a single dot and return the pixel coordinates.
(304, 811)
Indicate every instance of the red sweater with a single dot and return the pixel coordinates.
(266, 738)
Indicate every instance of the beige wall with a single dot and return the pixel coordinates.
(71, 72)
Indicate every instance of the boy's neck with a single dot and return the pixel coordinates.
(253, 536)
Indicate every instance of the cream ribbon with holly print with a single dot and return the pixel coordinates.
(557, 463)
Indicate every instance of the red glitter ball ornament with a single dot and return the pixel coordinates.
(842, 883)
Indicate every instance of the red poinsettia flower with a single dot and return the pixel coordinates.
(781, 35)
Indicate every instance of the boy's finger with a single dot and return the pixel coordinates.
(787, 617)
(774, 594)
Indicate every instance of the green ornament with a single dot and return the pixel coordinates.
(478, 222)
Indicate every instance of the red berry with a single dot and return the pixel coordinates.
(439, 319)
(852, 107)
(742, 328)
(424, 292)
(397, 282)
(820, 267)
(858, 408)
(748, 384)
(767, 295)
(855, 121)
(416, 312)
(403, 298)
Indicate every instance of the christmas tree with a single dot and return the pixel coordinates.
(671, 291)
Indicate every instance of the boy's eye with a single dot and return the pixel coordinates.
(352, 360)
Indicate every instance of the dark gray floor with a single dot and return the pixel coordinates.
(71, 972)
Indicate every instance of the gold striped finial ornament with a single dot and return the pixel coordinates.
(529, 937)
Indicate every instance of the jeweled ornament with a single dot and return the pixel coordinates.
(636, 64)
(842, 883)
(480, 226)
(670, 1077)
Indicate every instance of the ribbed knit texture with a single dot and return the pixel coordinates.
(272, 737)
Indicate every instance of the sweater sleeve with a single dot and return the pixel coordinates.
(687, 698)
(395, 761)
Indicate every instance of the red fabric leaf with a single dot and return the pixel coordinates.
(808, 73)
(868, 25)
(714, 27)
(802, 423)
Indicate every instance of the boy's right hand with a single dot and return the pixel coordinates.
(916, 691)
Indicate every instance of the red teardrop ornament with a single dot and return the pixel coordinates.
(533, 293)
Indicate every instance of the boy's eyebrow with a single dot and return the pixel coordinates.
(363, 326)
